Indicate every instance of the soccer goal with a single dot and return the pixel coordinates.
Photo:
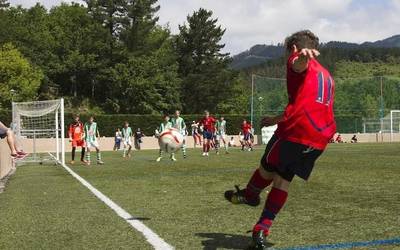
(39, 128)
(394, 124)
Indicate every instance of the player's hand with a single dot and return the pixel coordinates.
(70, 139)
(309, 53)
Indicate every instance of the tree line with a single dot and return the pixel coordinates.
(112, 56)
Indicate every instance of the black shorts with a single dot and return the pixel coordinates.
(3, 133)
(289, 159)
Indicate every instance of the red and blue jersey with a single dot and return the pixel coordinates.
(208, 123)
(246, 128)
(308, 117)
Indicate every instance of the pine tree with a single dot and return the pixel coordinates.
(202, 65)
(142, 20)
(4, 4)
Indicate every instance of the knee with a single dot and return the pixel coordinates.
(281, 183)
(265, 174)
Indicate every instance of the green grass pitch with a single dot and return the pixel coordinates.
(352, 195)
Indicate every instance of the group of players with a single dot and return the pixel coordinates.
(303, 132)
(212, 131)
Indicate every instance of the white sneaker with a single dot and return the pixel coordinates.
(207, 154)
(204, 154)
(173, 158)
(159, 159)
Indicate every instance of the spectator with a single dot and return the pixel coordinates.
(339, 139)
(138, 138)
(354, 139)
(9, 134)
(117, 139)
(231, 142)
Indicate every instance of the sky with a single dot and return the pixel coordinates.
(251, 22)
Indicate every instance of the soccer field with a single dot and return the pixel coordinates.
(353, 195)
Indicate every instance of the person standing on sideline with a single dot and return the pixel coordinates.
(76, 137)
(91, 139)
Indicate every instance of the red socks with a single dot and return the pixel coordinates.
(275, 201)
(256, 185)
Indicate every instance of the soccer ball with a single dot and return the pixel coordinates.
(170, 140)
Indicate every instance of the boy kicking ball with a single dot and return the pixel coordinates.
(303, 132)
(91, 135)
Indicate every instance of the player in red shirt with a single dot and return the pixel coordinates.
(303, 132)
(246, 132)
(208, 123)
(76, 135)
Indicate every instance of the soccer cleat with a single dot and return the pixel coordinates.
(238, 197)
(173, 158)
(72, 162)
(260, 234)
(84, 162)
(99, 162)
(88, 163)
(207, 154)
(158, 159)
(204, 154)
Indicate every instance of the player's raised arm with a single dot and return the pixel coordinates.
(304, 46)
(300, 63)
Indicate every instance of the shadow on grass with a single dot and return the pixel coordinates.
(139, 218)
(228, 241)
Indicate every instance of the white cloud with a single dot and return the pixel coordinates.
(250, 22)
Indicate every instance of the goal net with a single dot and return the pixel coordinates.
(39, 128)
(394, 124)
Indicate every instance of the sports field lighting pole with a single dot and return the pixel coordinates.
(381, 109)
(252, 100)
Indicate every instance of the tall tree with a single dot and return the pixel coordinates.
(204, 68)
(142, 21)
(4, 4)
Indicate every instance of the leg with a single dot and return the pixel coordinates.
(275, 201)
(124, 152)
(129, 150)
(159, 155)
(88, 155)
(184, 148)
(73, 154)
(83, 154)
(98, 153)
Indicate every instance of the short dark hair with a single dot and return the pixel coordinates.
(302, 39)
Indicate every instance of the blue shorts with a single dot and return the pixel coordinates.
(246, 137)
(208, 135)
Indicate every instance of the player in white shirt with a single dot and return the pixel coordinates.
(179, 123)
(127, 140)
(221, 135)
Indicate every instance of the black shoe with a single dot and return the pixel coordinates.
(238, 197)
(258, 241)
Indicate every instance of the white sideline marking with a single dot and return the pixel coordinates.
(156, 241)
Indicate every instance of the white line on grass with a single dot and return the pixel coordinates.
(156, 241)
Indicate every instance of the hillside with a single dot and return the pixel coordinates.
(262, 53)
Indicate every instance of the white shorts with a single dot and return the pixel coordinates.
(221, 136)
(127, 142)
(92, 144)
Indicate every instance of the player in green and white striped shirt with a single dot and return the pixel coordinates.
(221, 135)
(91, 135)
(166, 124)
(179, 123)
(127, 139)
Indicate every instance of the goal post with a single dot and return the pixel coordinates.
(394, 123)
(40, 130)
